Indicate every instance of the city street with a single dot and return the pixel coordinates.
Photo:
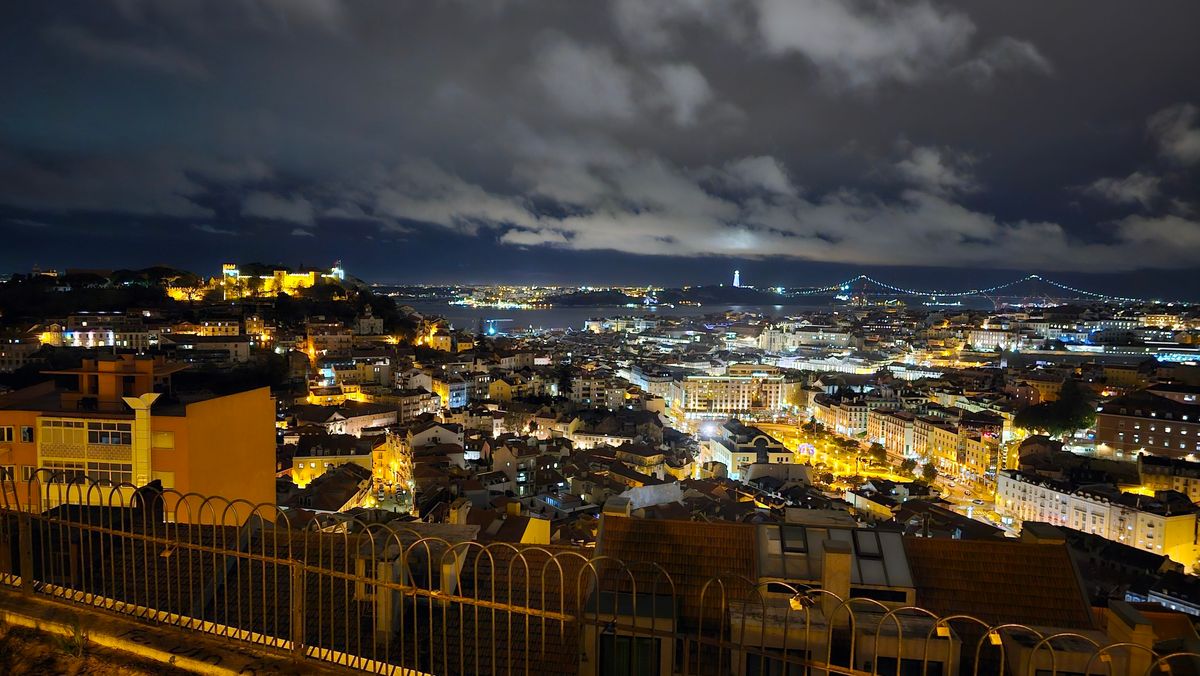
(966, 500)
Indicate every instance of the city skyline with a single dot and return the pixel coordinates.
(1166, 287)
(607, 143)
(654, 337)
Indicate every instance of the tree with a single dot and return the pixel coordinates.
(878, 453)
(908, 466)
(1074, 409)
(929, 472)
(288, 311)
(563, 375)
(254, 287)
(827, 478)
(84, 280)
(515, 421)
(193, 287)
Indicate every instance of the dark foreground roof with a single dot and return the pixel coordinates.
(999, 582)
(693, 553)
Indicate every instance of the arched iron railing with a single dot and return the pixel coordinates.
(394, 598)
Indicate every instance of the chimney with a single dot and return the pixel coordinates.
(388, 605)
(452, 562)
(141, 436)
(835, 578)
(617, 506)
(1042, 533)
(1125, 624)
(458, 511)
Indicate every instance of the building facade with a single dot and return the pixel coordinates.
(1164, 524)
(1146, 423)
(122, 425)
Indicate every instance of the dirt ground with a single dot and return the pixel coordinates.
(28, 652)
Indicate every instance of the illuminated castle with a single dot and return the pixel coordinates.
(235, 284)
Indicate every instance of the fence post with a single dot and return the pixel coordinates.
(25, 545)
(297, 603)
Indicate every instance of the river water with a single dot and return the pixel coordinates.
(468, 318)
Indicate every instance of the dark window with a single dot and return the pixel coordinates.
(27, 434)
(793, 539)
(788, 588)
(867, 544)
(883, 595)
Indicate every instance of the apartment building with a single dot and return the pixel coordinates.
(894, 430)
(791, 336)
(847, 416)
(1148, 422)
(121, 422)
(362, 369)
(317, 454)
(989, 340)
(101, 330)
(350, 417)
(937, 439)
(209, 327)
(17, 352)
(454, 390)
(408, 403)
(215, 350)
(600, 389)
(1170, 474)
(980, 456)
(743, 389)
(1162, 524)
(324, 338)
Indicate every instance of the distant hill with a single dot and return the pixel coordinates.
(722, 295)
(705, 295)
(592, 299)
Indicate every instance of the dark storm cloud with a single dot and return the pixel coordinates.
(860, 132)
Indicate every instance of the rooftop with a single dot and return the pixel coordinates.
(691, 553)
(998, 582)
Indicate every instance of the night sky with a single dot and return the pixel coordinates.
(622, 141)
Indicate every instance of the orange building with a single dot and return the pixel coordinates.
(120, 422)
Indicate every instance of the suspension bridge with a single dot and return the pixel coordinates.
(1030, 281)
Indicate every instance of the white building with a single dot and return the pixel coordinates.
(1163, 524)
(745, 388)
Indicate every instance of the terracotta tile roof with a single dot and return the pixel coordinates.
(1034, 584)
(691, 552)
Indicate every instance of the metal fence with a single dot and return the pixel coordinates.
(396, 599)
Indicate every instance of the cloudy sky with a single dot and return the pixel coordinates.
(608, 141)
